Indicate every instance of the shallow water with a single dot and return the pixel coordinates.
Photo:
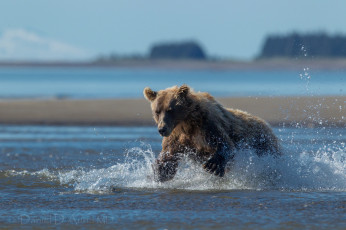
(85, 176)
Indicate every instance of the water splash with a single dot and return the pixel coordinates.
(322, 171)
(306, 75)
(313, 109)
(304, 51)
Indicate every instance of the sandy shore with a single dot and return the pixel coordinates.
(309, 111)
(263, 64)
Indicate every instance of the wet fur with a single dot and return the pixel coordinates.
(198, 125)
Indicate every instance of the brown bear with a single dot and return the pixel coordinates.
(195, 124)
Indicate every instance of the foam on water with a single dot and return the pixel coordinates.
(322, 171)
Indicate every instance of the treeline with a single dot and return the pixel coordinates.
(171, 51)
(287, 46)
(297, 45)
(183, 50)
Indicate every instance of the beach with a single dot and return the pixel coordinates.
(326, 64)
(277, 111)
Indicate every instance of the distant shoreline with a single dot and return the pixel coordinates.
(278, 111)
(217, 65)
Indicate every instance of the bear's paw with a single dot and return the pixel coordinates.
(216, 165)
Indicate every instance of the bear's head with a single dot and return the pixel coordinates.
(169, 106)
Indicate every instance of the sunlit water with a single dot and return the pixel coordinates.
(85, 176)
(128, 83)
(102, 177)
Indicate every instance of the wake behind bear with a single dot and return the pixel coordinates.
(195, 124)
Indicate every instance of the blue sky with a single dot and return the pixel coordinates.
(82, 29)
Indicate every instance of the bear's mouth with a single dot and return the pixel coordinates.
(165, 133)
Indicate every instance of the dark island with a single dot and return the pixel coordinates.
(300, 45)
(279, 52)
(183, 50)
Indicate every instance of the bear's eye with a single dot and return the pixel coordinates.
(157, 112)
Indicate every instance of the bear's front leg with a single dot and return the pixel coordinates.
(165, 170)
(217, 163)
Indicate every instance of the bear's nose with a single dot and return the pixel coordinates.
(162, 131)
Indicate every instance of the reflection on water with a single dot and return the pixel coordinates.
(84, 175)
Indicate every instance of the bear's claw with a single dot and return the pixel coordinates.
(216, 165)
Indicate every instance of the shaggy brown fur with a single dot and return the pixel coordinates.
(195, 123)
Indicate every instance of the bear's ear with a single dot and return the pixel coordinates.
(183, 91)
(149, 94)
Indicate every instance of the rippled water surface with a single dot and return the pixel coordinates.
(86, 176)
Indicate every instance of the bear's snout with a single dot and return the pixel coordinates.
(163, 131)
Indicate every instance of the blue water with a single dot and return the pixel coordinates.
(87, 177)
(127, 83)
(101, 177)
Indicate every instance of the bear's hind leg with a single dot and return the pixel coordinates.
(267, 145)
